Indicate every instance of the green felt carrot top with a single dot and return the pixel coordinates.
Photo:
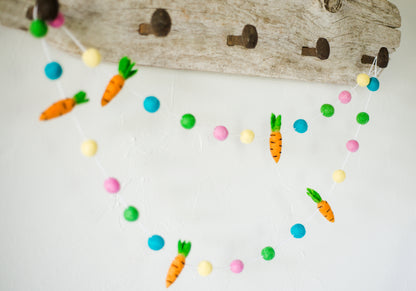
(125, 67)
(184, 248)
(275, 122)
(80, 97)
(314, 195)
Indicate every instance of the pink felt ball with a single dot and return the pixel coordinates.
(112, 185)
(220, 132)
(236, 266)
(352, 145)
(344, 97)
(58, 21)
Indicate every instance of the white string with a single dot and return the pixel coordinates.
(45, 50)
(346, 160)
(74, 39)
(60, 89)
(35, 12)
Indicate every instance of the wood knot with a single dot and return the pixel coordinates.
(333, 6)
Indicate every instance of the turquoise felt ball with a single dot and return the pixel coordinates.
(156, 242)
(151, 104)
(374, 84)
(300, 126)
(298, 230)
(53, 70)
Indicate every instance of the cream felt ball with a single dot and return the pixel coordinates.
(363, 80)
(91, 57)
(89, 148)
(204, 268)
(338, 176)
(247, 136)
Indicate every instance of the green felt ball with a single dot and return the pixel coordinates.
(327, 110)
(131, 213)
(188, 121)
(38, 28)
(268, 253)
(363, 118)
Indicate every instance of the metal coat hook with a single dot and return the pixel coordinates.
(159, 25)
(247, 39)
(321, 50)
(382, 58)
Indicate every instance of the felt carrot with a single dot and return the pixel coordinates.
(323, 206)
(63, 106)
(178, 263)
(117, 81)
(276, 137)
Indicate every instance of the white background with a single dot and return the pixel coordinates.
(60, 230)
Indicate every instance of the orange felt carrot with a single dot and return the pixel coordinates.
(178, 263)
(117, 82)
(63, 106)
(323, 206)
(276, 137)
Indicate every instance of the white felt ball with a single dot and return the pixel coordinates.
(247, 136)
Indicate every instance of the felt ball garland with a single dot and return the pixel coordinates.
(91, 57)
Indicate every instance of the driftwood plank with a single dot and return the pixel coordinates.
(197, 40)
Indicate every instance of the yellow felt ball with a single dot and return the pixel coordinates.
(91, 57)
(247, 136)
(204, 268)
(363, 80)
(338, 176)
(89, 148)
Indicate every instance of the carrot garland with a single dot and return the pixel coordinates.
(178, 263)
(323, 206)
(276, 137)
(63, 106)
(125, 71)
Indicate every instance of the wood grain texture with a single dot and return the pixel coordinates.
(197, 40)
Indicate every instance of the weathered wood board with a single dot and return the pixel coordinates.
(197, 40)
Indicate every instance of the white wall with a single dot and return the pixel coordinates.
(62, 231)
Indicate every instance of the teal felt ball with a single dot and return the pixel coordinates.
(298, 230)
(300, 126)
(53, 70)
(374, 84)
(156, 242)
(38, 28)
(151, 104)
